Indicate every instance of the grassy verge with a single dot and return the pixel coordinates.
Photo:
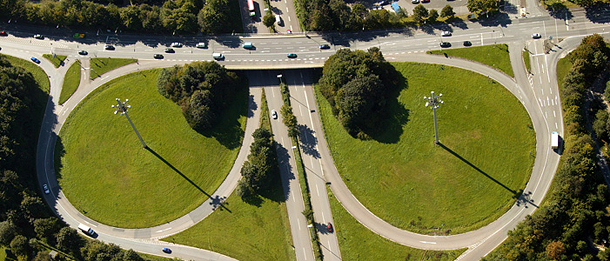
(71, 82)
(495, 56)
(563, 67)
(100, 66)
(41, 77)
(359, 243)
(265, 119)
(526, 60)
(57, 61)
(403, 178)
(104, 171)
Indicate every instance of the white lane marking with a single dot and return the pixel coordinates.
(318, 190)
(482, 39)
(159, 231)
(554, 114)
(547, 101)
(556, 126)
(305, 253)
(299, 225)
(426, 242)
(292, 195)
(547, 66)
(540, 101)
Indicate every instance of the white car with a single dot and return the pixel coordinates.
(176, 44)
(46, 188)
(536, 35)
(201, 45)
(274, 114)
(446, 33)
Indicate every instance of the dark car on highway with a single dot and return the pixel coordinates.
(467, 43)
(158, 56)
(166, 250)
(169, 50)
(108, 47)
(83, 52)
(291, 55)
(34, 59)
(324, 46)
(445, 44)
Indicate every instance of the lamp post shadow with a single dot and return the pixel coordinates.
(477, 169)
(215, 201)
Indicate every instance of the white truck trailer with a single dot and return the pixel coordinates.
(554, 140)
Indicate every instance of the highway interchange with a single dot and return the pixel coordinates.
(537, 92)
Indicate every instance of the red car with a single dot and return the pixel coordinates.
(3, 33)
(329, 227)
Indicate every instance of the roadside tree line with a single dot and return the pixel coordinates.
(573, 223)
(179, 16)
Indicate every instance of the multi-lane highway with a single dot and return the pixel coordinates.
(537, 91)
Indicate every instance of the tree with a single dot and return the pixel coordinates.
(555, 250)
(19, 245)
(482, 6)
(419, 13)
(269, 20)
(447, 12)
(46, 228)
(214, 17)
(7, 232)
(289, 120)
(601, 125)
(432, 16)
(68, 239)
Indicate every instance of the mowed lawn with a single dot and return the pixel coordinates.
(100, 66)
(359, 243)
(493, 55)
(109, 177)
(71, 82)
(247, 232)
(405, 179)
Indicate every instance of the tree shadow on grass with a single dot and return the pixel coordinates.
(389, 129)
(515, 193)
(228, 131)
(216, 199)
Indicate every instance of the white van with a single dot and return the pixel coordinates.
(87, 230)
(218, 56)
(278, 19)
(201, 45)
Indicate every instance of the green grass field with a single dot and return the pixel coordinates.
(57, 61)
(526, 60)
(563, 67)
(108, 176)
(41, 77)
(71, 82)
(247, 232)
(495, 56)
(403, 178)
(359, 243)
(100, 66)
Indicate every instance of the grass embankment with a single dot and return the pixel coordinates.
(108, 176)
(100, 66)
(71, 82)
(526, 60)
(39, 75)
(563, 67)
(57, 61)
(403, 178)
(246, 232)
(495, 56)
(359, 243)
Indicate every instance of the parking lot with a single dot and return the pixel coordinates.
(459, 6)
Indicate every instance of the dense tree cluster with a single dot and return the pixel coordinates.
(260, 171)
(202, 89)
(357, 85)
(181, 16)
(483, 7)
(576, 214)
(325, 15)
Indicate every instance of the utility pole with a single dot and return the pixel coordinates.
(122, 109)
(434, 102)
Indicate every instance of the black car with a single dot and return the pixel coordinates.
(158, 56)
(169, 50)
(108, 47)
(324, 46)
(445, 44)
(467, 43)
(83, 52)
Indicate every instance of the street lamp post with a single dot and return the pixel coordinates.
(434, 102)
(122, 109)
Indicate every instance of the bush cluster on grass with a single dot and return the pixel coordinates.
(154, 16)
(261, 169)
(576, 216)
(357, 84)
(202, 90)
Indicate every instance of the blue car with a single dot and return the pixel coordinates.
(324, 46)
(292, 55)
(167, 250)
(34, 59)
